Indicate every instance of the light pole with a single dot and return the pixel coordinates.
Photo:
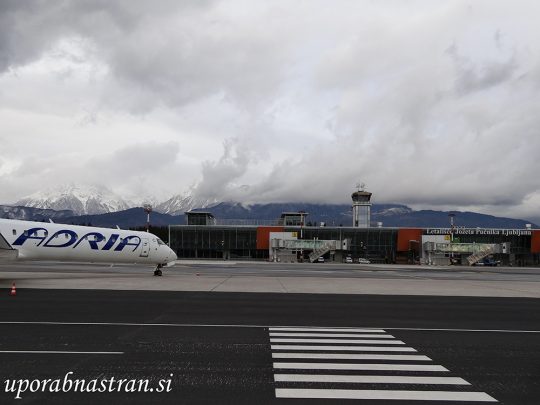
(148, 209)
(451, 217)
(301, 234)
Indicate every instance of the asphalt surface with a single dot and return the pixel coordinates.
(265, 269)
(218, 347)
(322, 278)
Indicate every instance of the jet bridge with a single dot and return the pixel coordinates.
(442, 252)
(285, 247)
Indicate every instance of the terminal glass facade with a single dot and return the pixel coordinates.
(240, 242)
(379, 245)
(215, 242)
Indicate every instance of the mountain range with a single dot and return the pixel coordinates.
(330, 214)
(95, 199)
(99, 206)
(80, 200)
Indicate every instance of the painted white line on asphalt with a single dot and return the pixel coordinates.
(369, 379)
(278, 329)
(349, 366)
(467, 330)
(358, 341)
(384, 394)
(344, 348)
(54, 352)
(193, 325)
(351, 356)
(335, 335)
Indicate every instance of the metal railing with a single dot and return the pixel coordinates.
(248, 222)
(448, 247)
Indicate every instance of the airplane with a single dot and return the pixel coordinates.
(28, 240)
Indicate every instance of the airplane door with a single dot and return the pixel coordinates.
(145, 247)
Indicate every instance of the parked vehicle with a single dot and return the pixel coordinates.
(348, 259)
(363, 260)
(320, 260)
(487, 262)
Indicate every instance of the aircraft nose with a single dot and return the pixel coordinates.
(173, 255)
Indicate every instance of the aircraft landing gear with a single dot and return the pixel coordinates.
(157, 271)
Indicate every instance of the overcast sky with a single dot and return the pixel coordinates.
(434, 104)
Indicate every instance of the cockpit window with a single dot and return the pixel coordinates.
(160, 242)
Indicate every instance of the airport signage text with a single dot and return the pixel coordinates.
(478, 231)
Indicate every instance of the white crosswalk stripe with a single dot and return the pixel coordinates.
(353, 341)
(384, 394)
(341, 330)
(350, 356)
(370, 379)
(323, 349)
(359, 366)
(344, 348)
(332, 335)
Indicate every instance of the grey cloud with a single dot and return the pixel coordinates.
(419, 125)
(139, 167)
(479, 78)
(29, 26)
(136, 158)
(136, 170)
(162, 52)
(479, 75)
(219, 177)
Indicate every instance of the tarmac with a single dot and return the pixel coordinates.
(265, 333)
(317, 278)
(245, 348)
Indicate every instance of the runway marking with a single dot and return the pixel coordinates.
(350, 356)
(369, 379)
(194, 325)
(359, 341)
(344, 348)
(466, 330)
(324, 359)
(336, 335)
(327, 330)
(54, 352)
(384, 394)
(349, 366)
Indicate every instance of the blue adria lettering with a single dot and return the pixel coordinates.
(32, 233)
(67, 238)
(58, 240)
(92, 238)
(110, 243)
(128, 241)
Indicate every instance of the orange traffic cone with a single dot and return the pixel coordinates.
(13, 290)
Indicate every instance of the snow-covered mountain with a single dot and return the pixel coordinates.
(32, 214)
(181, 203)
(77, 198)
(95, 201)
(386, 210)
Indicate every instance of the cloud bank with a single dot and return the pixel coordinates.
(431, 104)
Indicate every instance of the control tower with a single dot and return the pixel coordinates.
(361, 207)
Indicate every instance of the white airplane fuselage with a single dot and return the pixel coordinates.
(59, 242)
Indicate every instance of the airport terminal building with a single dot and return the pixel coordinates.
(288, 240)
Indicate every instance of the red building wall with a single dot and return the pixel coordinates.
(405, 235)
(535, 242)
(263, 235)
